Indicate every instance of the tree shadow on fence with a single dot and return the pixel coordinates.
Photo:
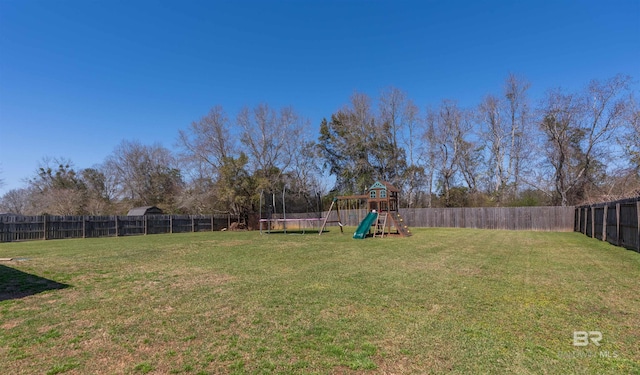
(15, 284)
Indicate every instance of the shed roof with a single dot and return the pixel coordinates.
(145, 210)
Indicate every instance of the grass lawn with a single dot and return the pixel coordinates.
(444, 300)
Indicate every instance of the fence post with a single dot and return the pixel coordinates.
(604, 222)
(84, 227)
(593, 222)
(146, 224)
(193, 225)
(171, 224)
(44, 227)
(212, 222)
(618, 224)
(638, 225)
(116, 222)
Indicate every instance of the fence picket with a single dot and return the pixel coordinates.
(21, 228)
(621, 227)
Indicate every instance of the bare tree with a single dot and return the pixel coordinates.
(559, 124)
(496, 138)
(431, 151)
(630, 138)
(101, 190)
(579, 129)
(504, 131)
(397, 113)
(145, 175)
(606, 106)
(272, 140)
(207, 142)
(16, 201)
(447, 129)
(519, 120)
(205, 148)
(415, 175)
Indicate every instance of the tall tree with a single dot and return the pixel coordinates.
(145, 175)
(495, 136)
(519, 121)
(504, 131)
(345, 145)
(414, 178)
(447, 130)
(206, 145)
(237, 189)
(100, 190)
(58, 188)
(207, 142)
(358, 147)
(580, 128)
(607, 105)
(397, 113)
(16, 201)
(342, 153)
(562, 135)
(272, 140)
(630, 138)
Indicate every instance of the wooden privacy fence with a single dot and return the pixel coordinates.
(558, 219)
(19, 228)
(615, 222)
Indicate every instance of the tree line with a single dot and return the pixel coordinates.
(568, 148)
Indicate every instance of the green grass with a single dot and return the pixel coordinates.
(444, 300)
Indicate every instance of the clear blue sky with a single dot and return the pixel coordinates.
(78, 77)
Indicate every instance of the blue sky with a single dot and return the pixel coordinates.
(78, 77)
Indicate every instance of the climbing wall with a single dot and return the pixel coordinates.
(400, 225)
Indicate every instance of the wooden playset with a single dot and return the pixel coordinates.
(381, 200)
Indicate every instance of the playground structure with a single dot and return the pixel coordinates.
(380, 201)
(382, 205)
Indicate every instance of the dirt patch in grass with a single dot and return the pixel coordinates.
(11, 323)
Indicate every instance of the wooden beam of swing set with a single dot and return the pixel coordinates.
(333, 203)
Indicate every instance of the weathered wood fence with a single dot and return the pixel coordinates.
(557, 219)
(615, 222)
(20, 228)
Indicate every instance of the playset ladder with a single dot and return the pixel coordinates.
(380, 227)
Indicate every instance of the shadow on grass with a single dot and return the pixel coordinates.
(16, 284)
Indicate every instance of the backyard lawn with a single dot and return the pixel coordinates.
(444, 300)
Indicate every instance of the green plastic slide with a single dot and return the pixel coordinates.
(365, 224)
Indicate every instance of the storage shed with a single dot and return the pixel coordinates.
(146, 210)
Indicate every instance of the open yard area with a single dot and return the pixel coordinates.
(444, 300)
